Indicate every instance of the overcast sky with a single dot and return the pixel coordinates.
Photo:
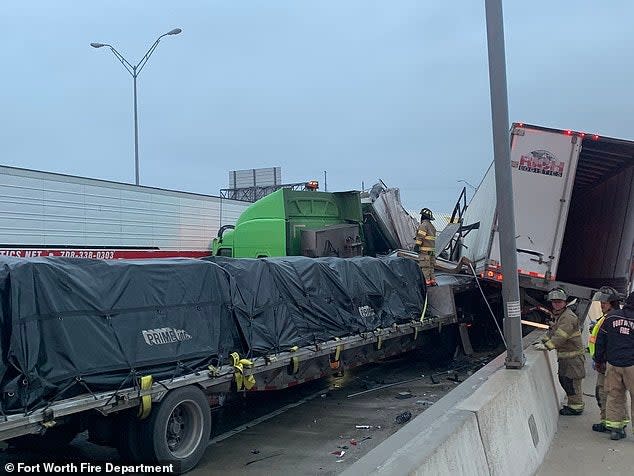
(396, 90)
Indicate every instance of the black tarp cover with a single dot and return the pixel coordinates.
(65, 318)
(283, 302)
(68, 325)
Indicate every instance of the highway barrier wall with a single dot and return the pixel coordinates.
(497, 422)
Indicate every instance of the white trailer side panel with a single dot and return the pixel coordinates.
(481, 209)
(543, 170)
(49, 210)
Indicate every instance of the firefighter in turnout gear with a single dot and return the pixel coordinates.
(609, 299)
(565, 337)
(615, 345)
(426, 246)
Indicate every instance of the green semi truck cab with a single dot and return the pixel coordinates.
(292, 223)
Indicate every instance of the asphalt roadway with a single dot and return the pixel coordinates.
(314, 429)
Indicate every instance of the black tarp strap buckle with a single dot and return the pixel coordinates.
(213, 371)
(48, 418)
(242, 381)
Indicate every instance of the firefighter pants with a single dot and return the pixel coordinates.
(572, 387)
(426, 261)
(600, 394)
(617, 381)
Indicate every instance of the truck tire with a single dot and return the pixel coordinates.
(128, 442)
(178, 429)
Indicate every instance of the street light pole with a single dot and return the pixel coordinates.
(515, 358)
(134, 72)
(136, 134)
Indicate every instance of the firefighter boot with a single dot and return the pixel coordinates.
(617, 434)
(567, 411)
(600, 427)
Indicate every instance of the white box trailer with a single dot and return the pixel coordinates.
(573, 196)
(49, 214)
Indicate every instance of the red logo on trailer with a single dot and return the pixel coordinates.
(540, 162)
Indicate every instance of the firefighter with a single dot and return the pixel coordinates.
(615, 346)
(609, 299)
(565, 337)
(426, 245)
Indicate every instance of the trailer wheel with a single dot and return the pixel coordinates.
(178, 429)
(128, 443)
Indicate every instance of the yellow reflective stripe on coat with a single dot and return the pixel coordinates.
(562, 333)
(549, 344)
(569, 355)
(592, 340)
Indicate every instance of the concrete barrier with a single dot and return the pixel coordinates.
(497, 422)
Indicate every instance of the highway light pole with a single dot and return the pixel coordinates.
(504, 186)
(135, 71)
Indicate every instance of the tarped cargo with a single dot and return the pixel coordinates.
(69, 326)
(283, 302)
(69, 319)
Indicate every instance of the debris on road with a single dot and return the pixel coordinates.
(339, 453)
(263, 458)
(403, 417)
(404, 395)
(424, 402)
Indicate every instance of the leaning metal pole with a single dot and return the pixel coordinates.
(504, 186)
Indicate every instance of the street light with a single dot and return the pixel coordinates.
(135, 71)
(467, 183)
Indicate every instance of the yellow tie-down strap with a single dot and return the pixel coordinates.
(145, 407)
(242, 380)
(422, 314)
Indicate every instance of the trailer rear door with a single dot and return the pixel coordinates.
(543, 170)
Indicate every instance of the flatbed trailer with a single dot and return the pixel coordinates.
(118, 417)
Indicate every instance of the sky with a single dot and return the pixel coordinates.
(363, 90)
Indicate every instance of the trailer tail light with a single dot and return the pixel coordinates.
(568, 132)
(595, 136)
(493, 274)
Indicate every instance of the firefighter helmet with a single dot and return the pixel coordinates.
(426, 214)
(556, 294)
(606, 294)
